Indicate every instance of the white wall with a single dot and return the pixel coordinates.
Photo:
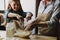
(28, 6)
(1, 4)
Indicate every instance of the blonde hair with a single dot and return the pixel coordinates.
(9, 5)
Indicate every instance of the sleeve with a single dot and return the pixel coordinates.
(54, 19)
(24, 14)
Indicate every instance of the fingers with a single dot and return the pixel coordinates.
(29, 27)
(19, 17)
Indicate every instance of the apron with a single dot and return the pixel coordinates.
(44, 14)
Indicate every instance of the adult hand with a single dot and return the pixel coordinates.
(29, 27)
(32, 24)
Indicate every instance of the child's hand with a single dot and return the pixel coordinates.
(19, 17)
(29, 16)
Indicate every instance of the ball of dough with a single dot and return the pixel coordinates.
(22, 33)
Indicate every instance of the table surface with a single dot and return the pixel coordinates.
(33, 37)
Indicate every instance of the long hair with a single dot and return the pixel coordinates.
(9, 5)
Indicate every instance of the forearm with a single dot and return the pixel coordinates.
(12, 15)
(35, 21)
(42, 24)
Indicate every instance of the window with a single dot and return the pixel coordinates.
(2, 4)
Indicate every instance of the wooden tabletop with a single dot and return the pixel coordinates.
(33, 37)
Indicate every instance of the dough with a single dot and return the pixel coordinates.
(21, 33)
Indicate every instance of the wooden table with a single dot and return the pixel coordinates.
(33, 37)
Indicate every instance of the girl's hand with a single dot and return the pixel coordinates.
(19, 17)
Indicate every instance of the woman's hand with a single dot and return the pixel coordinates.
(32, 25)
(29, 27)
